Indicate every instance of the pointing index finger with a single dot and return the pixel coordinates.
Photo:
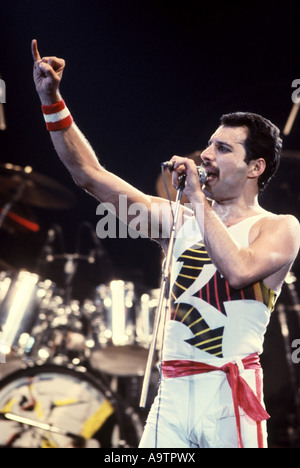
(34, 49)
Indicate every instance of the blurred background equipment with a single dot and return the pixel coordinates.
(72, 369)
(2, 101)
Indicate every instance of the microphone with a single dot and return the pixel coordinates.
(202, 173)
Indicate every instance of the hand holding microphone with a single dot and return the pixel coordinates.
(202, 173)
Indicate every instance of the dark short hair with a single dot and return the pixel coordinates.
(263, 141)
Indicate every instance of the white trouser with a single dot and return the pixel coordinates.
(197, 412)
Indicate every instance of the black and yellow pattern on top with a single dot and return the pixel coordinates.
(215, 292)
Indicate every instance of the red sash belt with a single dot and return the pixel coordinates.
(242, 393)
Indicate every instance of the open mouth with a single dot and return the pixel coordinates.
(211, 175)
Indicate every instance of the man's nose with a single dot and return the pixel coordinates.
(207, 155)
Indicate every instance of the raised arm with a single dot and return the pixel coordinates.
(81, 161)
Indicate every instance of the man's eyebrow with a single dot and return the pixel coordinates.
(219, 142)
(224, 143)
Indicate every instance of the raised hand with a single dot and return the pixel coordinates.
(47, 75)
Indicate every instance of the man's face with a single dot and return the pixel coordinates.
(224, 159)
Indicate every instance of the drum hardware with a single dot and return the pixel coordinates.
(59, 334)
(4, 267)
(78, 441)
(19, 302)
(54, 236)
(291, 119)
(22, 294)
(19, 219)
(55, 335)
(5, 282)
(113, 330)
(283, 194)
(145, 319)
(290, 281)
(41, 325)
(69, 403)
(71, 264)
(121, 322)
(22, 186)
(282, 383)
(71, 260)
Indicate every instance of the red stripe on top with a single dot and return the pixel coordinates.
(54, 108)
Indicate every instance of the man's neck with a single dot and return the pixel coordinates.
(231, 212)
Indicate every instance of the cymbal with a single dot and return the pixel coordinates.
(35, 189)
(160, 185)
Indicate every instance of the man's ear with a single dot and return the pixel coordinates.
(256, 168)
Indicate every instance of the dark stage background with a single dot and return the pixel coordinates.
(145, 80)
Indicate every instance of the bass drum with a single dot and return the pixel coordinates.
(57, 407)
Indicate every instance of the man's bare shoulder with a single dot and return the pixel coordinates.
(286, 220)
(284, 227)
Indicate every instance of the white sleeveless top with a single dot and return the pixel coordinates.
(210, 321)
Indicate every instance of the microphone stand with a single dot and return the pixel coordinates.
(79, 441)
(163, 295)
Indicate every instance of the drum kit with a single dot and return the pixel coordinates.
(70, 370)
